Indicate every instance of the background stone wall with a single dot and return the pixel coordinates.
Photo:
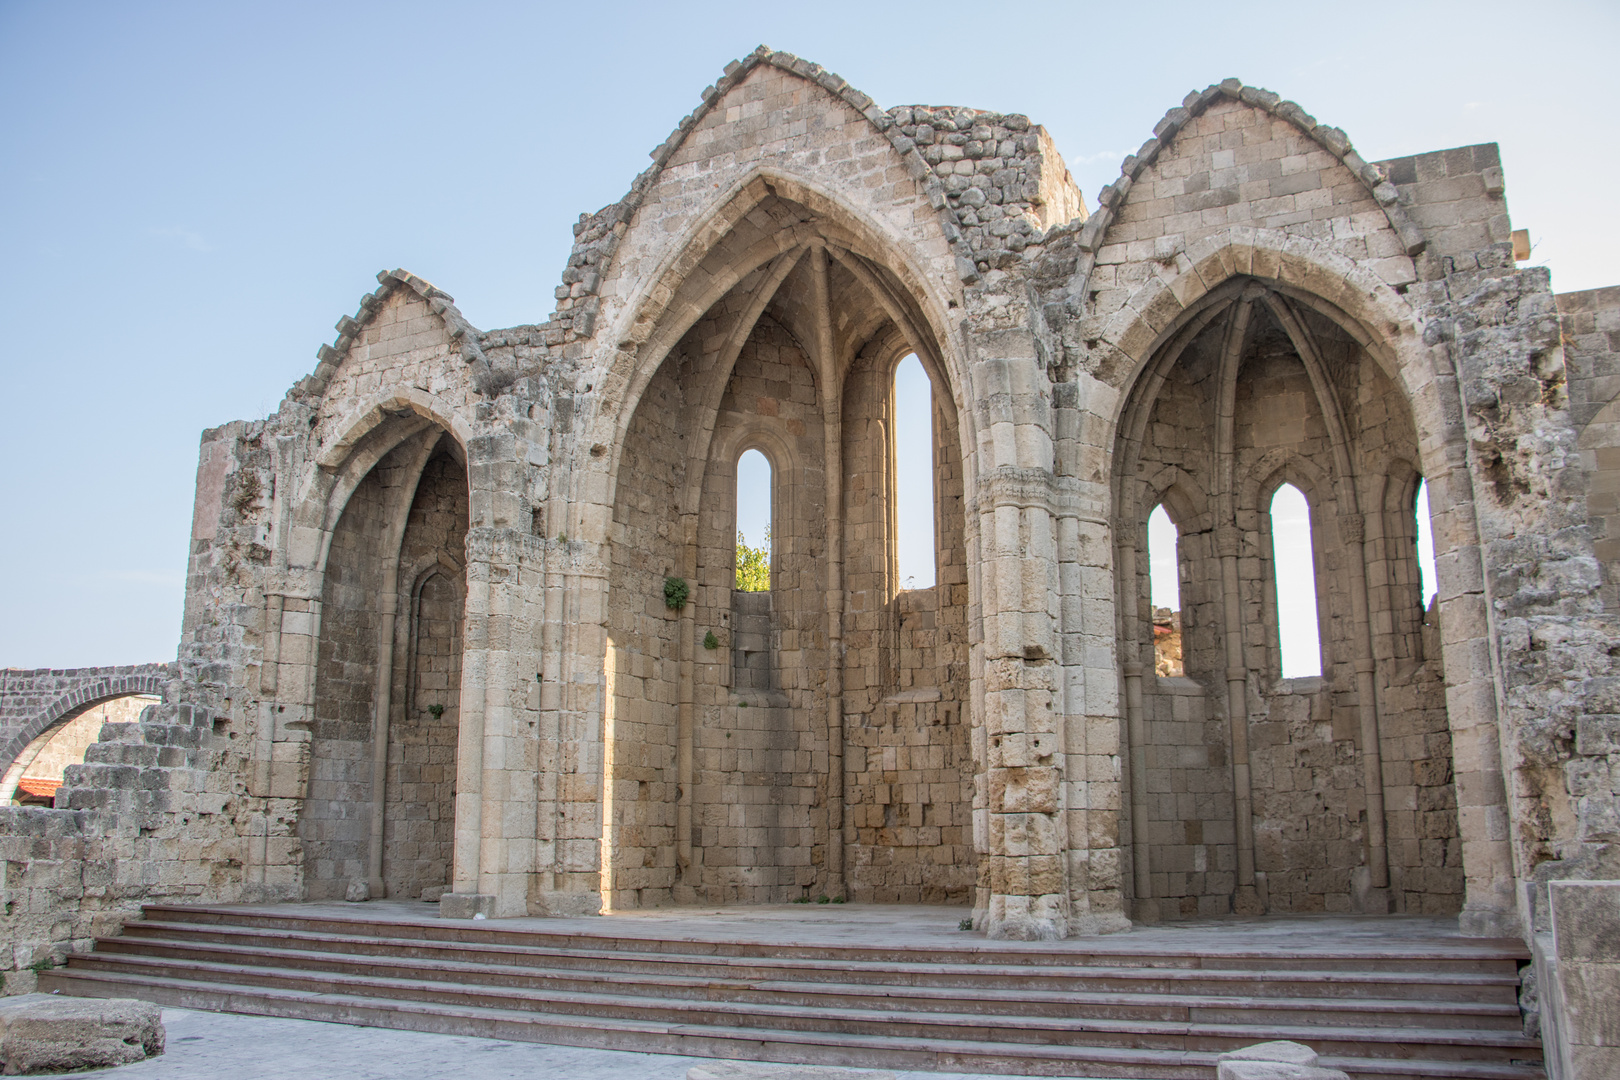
(33, 700)
(53, 750)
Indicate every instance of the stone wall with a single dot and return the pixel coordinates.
(1591, 340)
(53, 750)
(153, 815)
(1577, 969)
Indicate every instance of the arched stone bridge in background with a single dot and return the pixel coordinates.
(33, 701)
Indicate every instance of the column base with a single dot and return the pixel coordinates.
(563, 903)
(1025, 928)
(1246, 901)
(466, 905)
(1478, 920)
(1367, 899)
(1098, 925)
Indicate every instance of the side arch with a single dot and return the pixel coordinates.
(366, 436)
(72, 704)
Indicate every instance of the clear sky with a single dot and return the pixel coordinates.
(194, 193)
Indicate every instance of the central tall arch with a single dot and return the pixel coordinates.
(847, 770)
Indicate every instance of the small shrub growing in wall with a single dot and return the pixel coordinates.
(675, 593)
(710, 641)
(436, 711)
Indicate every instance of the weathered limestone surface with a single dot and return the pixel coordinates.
(45, 1033)
(1578, 978)
(461, 622)
(1277, 1060)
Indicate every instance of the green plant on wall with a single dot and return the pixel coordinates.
(710, 641)
(675, 593)
(753, 564)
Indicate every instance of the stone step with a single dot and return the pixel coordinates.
(1233, 1006)
(1493, 988)
(734, 1043)
(1351, 1041)
(1485, 958)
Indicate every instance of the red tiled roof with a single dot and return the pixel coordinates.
(39, 788)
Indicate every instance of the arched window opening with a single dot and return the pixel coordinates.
(753, 522)
(914, 474)
(1165, 592)
(1294, 567)
(1425, 545)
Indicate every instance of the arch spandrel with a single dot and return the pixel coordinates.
(736, 134)
(1163, 186)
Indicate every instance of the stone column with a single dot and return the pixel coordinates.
(1136, 726)
(464, 901)
(1026, 845)
(832, 407)
(1247, 899)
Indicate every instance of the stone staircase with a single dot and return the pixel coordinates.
(1024, 1010)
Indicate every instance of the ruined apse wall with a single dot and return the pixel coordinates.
(1308, 794)
(1025, 882)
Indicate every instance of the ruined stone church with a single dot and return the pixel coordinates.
(461, 619)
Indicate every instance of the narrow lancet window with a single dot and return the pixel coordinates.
(1165, 592)
(914, 474)
(1293, 563)
(753, 522)
(1425, 545)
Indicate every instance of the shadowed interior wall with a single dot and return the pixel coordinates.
(335, 821)
(419, 826)
(643, 673)
(1305, 742)
(908, 760)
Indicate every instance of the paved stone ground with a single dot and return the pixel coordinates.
(220, 1046)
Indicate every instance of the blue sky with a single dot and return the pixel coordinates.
(194, 193)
